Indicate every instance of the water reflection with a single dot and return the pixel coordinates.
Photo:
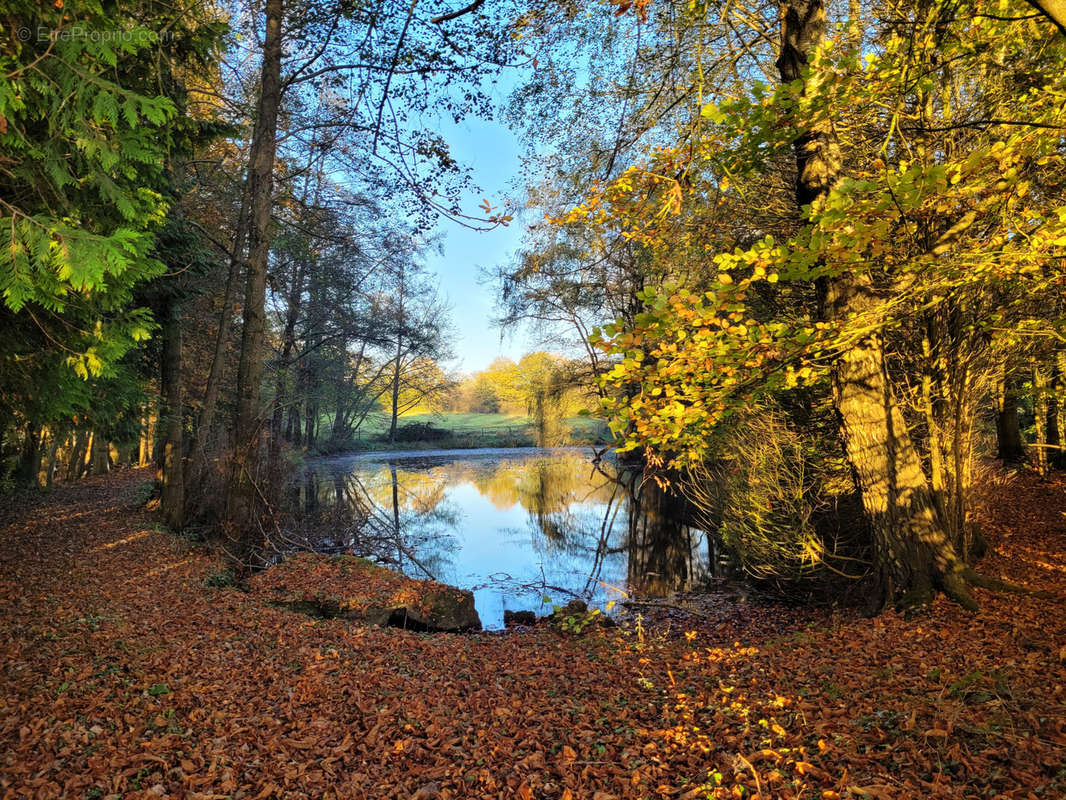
(514, 526)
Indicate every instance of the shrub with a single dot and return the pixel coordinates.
(774, 499)
(220, 579)
(420, 432)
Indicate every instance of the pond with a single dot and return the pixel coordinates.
(524, 529)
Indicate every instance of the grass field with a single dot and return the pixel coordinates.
(478, 430)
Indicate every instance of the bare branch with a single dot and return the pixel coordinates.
(456, 14)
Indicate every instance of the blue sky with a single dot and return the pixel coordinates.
(493, 153)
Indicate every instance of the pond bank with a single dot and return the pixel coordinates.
(356, 590)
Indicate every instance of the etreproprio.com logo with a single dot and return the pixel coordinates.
(44, 33)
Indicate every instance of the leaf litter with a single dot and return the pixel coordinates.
(126, 675)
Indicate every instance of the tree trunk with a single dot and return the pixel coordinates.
(218, 358)
(292, 422)
(172, 472)
(400, 299)
(396, 390)
(241, 512)
(277, 434)
(339, 432)
(99, 451)
(1054, 411)
(1040, 411)
(77, 454)
(310, 417)
(915, 554)
(1008, 431)
(150, 429)
(29, 464)
(53, 451)
(144, 446)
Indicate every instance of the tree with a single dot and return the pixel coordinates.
(241, 501)
(926, 229)
(351, 65)
(90, 125)
(915, 552)
(415, 328)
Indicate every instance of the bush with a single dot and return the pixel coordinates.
(140, 493)
(774, 499)
(220, 579)
(419, 432)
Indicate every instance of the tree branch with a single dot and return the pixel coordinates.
(1054, 10)
(456, 14)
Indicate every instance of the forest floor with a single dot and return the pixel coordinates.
(124, 675)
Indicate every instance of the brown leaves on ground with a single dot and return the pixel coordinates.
(123, 675)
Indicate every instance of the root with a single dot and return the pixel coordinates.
(975, 578)
(954, 586)
(957, 587)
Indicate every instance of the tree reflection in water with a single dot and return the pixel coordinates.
(512, 525)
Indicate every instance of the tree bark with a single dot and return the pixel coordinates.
(29, 464)
(1040, 411)
(172, 411)
(310, 422)
(143, 445)
(292, 420)
(1054, 411)
(242, 504)
(53, 451)
(77, 454)
(218, 358)
(399, 360)
(99, 451)
(915, 553)
(288, 338)
(1011, 448)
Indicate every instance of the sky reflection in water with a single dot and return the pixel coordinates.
(514, 526)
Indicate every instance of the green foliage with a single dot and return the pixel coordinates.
(140, 493)
(575, 617)
(220, 579)
(87, 139)
(90, 123)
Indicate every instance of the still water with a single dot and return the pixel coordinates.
(514, 526)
